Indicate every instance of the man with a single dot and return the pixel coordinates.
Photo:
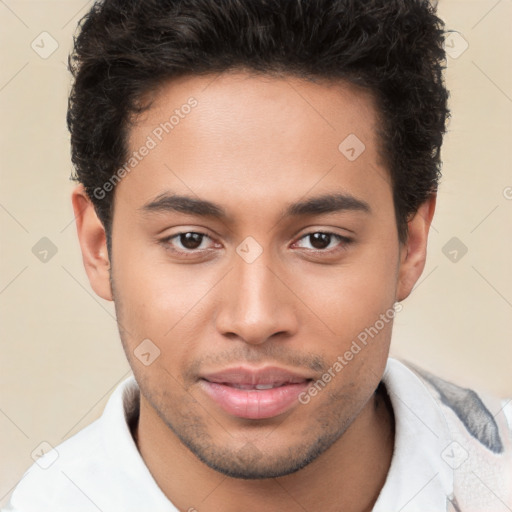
(257, 180)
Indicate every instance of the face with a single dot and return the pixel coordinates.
(254, 243)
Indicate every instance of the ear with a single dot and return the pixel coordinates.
(93, 243)
(413, 252)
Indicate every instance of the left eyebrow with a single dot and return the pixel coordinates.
(327, 203)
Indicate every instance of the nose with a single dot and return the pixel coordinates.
(256, 303)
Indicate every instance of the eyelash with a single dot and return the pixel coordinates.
(343, 241)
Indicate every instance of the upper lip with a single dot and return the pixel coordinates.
(242, 375)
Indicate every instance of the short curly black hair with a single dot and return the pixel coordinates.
(394, 48)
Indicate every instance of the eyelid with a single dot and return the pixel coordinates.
(167, 240)
(344, 240)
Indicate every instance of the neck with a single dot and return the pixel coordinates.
(348, 476)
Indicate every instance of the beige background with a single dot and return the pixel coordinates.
(60, 352)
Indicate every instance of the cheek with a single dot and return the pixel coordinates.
(162, 307)
(357, 307)
(160, 301)
(350, 297)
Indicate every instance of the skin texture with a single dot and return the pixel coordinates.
(253, 145)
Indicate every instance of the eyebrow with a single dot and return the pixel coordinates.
(183, 204)
(326, 203)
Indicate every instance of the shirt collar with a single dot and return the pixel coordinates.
(419, 479)
(124, 454)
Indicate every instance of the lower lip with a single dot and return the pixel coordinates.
(254, 404)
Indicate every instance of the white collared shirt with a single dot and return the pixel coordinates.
(453, 452)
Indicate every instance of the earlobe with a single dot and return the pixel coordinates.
(413, 253)
(92, 238)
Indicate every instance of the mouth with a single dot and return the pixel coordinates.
(257, 387)
(255, 393)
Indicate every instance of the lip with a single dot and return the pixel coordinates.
(234, 390)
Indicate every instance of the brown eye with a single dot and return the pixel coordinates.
(320, 240)
(191, 240)
(188, 242)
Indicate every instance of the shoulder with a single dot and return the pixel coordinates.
(84, 471)
(480, 448)
(484, 418)
(51, 478)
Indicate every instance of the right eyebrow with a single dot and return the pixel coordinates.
(183, 204)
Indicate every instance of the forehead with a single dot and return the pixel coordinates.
(251, 134)
(255, 99)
